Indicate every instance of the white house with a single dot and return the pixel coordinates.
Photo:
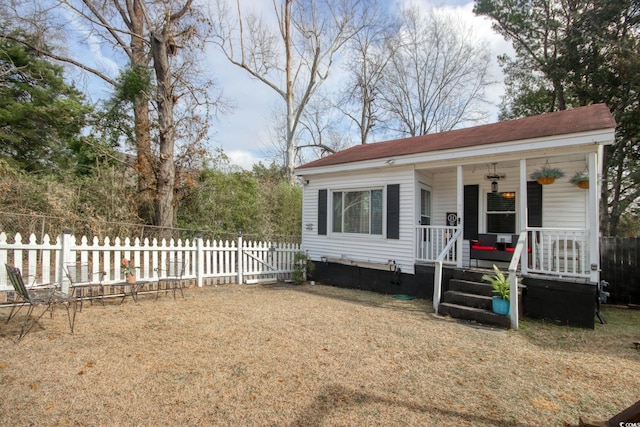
(385, 216)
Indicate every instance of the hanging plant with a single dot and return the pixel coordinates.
(547, 175)
(581, 180)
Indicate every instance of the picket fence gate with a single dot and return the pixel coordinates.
(206, 262)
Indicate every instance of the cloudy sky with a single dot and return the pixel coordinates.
(243, 134)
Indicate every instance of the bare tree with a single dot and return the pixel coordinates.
(321, 129)
(293, 58)
(436, 77)
(143, 34)
(370, 51)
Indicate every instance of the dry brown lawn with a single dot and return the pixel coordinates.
(309, 356)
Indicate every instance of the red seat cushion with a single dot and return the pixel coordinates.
(483, 248)
(513, 249)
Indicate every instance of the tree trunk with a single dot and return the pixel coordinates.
(144, 164)
(144, 160)
(164, 100)
(291, 120)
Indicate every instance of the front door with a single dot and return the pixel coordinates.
(425, 219)
(425, 206)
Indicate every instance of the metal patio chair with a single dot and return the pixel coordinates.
(33, 297)
(171, 277)
(85, 283)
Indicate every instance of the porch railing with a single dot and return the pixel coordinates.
(446, 253)
(559, 252)
(430, 242)
(513, 280)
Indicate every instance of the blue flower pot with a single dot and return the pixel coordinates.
(501, 306)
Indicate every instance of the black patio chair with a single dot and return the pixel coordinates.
(85, 283)
(33, 297)
(171, 277)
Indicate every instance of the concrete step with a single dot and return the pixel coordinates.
(470, 287)
(479, 315)
(472, 275)
(468, 300)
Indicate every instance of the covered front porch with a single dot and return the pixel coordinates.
(552, 252)
(476, 215)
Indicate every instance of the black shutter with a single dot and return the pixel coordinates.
(322, 212)
(470, 220)
(393, 211)
(534, 204)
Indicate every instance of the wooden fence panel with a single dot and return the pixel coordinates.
(620, 263)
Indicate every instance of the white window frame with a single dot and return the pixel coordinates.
(342, 216)
(487, 212)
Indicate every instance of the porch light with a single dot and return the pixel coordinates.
(508, 194)
(494, 178)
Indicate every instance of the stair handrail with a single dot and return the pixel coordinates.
(513, 279)
(437, 276)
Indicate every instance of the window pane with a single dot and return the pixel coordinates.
(497, 203)
(376, 211)
(356, 212)
(425, 207)
(337, 212)
(501, 223)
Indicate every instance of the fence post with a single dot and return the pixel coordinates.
(65, 257)
(239, 249)
(199, 261)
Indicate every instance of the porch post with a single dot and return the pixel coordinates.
(459, 209)
(524, 214)
(593, 219)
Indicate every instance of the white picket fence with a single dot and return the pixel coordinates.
(206, 262)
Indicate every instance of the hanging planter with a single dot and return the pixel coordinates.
(547, 175)
(581, 180)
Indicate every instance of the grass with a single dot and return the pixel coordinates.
(310, 356)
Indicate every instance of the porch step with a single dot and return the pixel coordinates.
(470, 287)
(472, 275)
(468, 300)
(479, 315)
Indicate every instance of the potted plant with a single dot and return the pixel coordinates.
(581, 180)
(129, 271)
(500, 284)
(302, 268)
(547, 175)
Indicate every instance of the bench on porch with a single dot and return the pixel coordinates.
(487, 248)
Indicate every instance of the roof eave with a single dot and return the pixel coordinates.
(583, 139)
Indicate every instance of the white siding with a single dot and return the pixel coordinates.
(443, 196)
(364, 248)
(564, 206)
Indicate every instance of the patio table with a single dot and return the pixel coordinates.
(130, 289)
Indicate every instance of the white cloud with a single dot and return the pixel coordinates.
(244, 159)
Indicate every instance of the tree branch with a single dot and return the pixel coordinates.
(61, 58)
